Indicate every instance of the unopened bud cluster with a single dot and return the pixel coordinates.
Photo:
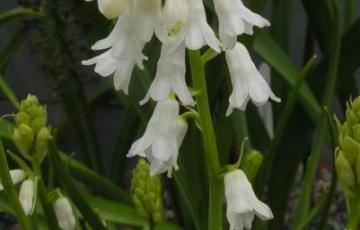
(146, 192)
(31, 135)
(348, 152)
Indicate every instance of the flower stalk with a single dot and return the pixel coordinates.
(216, 189)
(10, 190)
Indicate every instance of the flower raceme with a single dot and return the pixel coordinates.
(179, 24)
(242, 203)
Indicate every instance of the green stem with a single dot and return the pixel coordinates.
(216, 189)
(354, 214)
(10, 190)
(43, 197)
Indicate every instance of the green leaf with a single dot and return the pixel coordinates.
(74, 192)
(270, 51)
(102, 185)
(116, 212)
(17, 13)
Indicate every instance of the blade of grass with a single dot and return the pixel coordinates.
(320, 133)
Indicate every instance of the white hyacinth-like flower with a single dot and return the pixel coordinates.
(186, 23)
(242, 203)
(111, 8)
(246, 80)
(162, 138)
(125, 43)
(235, 19)
(170, 75)
(64, 213)
(17, 175)
(27, 195)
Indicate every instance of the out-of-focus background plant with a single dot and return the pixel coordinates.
(69, 142)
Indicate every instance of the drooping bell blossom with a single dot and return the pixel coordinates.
(242, 203)
(111, 8)
(170, 75)
(64, 213)
(185, 22)
(125, 43)
(246, 80)
(162, 138)
(17, 175)
(235, 19)
(27, 195)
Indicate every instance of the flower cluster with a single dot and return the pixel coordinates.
(181, 25)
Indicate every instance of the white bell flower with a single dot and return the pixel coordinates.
(125, 43)
(162, 138)
(17, 175)
(27, 195)
(64, 213)
(235, 19)
(170, 75)
(242, 203)
(246, 80)
(111, 8)
(185, 22)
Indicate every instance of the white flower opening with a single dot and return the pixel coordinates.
(242, 203)
(162, 138)
(235, 19)
(194, 31)
(246, 80)
(170, 75)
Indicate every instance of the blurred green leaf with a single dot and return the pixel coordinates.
(71, 188)
(269, 50)
(116, 212)
(17, 13)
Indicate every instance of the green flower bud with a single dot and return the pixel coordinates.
(348, 153)
(345, 172)
(41, 141)
(252, 163)
(350, 149)
(146, 192)
(22, 118)
(32, 113)
(23, 138)
(38, 123)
